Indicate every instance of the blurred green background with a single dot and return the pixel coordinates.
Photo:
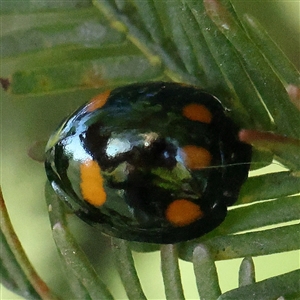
(27, 120)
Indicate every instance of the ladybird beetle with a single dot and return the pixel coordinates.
(152, 162)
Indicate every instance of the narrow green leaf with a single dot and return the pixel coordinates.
(12, 275)
(26, 6)
(196, 54)
(247, 244)
(63, 55)
(273, 93)
(16, 252)
(269, 289)
(75, 284)
(18, 22)
(83, 74)
(88, 33)
(259, 215)
(171, 273)
(73, 256)
(80, 28)
(246, 272)
(126, 269)
(148, 14)
(126, 18)
(262, 187)
(174, 39)
(206, 273)
(285, 70)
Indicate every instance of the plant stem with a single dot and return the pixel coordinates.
(20, 255)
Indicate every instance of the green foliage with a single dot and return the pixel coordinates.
(63, 46)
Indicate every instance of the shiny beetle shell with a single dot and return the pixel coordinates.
(152, 162)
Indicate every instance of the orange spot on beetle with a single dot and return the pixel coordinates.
(183, 212)
(197, 112)
(196, 157)
(92, 183)
(98, 101)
